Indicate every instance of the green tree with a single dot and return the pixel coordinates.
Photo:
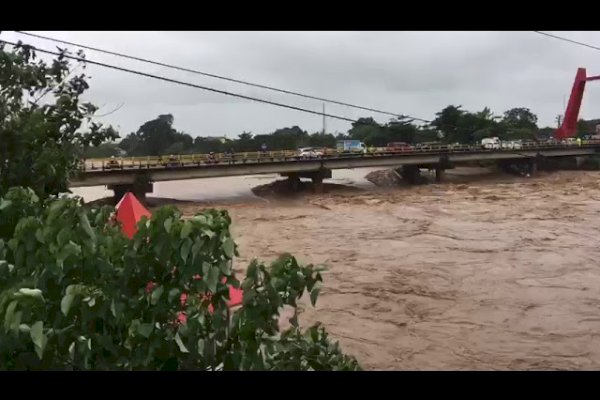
(448, 121)
(132, 144)
(43, 122)
(319, 139)
(520, 118)
(157, 135)
(76, 294)
(102, 151)
(365, 128)
(400, 130)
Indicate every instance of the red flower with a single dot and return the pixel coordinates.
(150, 287)
(181, 318)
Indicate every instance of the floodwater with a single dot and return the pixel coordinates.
(495, 273)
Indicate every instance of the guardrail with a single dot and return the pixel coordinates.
(291, 155)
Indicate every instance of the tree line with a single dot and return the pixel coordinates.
(453, 124)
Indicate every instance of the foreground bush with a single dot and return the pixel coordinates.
(76, 294)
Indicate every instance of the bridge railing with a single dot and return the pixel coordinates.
(147, 162)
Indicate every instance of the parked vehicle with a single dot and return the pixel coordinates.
(398, 147)
(492, 143)
(569, 141)
(112, 163)
(310, 152)
(427, 146)
(172, 161)
(511, 144)
(351, 146)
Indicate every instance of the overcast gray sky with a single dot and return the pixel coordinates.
(415, 73)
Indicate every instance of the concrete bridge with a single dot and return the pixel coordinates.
(139, 177)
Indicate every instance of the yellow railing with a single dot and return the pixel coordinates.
(289, 155)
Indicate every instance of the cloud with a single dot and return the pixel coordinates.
(415, 73)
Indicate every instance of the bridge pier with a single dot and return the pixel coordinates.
(317, 182)
(293, 182)
(138, 189)
(411, 173)
(533, 167)
(440, 174)
(315, 176)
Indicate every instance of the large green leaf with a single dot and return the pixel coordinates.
(168, 223)
(180, 344)
(145, 330)
(185, 249)
(4, 203)
(9, 314)
(85, 224)
(34, 293)
(201, 347)
(228, 247)
(63, 236)
(186, 230)
(38, 337)
(213, 278)
(314, 293)
(156, 293)
(70, 249)
(65, 304)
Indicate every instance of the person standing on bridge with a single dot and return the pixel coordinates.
(231, 154)
(263, 149)
(578, 141)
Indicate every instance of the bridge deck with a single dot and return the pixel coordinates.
(286, 162)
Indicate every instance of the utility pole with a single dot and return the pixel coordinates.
(323, 118)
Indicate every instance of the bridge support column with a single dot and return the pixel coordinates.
(440, 174)
(317, 184)
(411, 174)
(294, 182)
(533, 167)
(138, 189)
(317, 179)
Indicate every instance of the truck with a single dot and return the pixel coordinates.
(351, 146)
(495, 143)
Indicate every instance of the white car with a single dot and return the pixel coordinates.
(569, 141)
(492, 143)
(310, 152)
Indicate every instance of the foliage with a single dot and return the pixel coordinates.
(520, 118)
(451, 125)
(104, 150)
(42, 121)
(76, 294)
(157, 137)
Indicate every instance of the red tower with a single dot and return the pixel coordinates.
(568, 127)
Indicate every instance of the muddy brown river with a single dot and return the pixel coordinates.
(485, 272)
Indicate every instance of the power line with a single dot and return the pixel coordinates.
(135, 72)
(162, 78)
(145, 60)
(564, 39)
